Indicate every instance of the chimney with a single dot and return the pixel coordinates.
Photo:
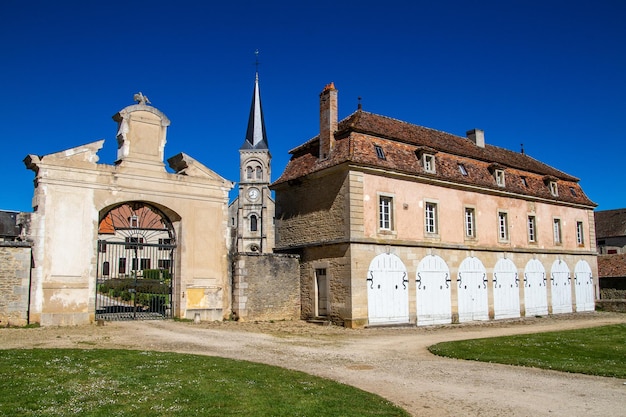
(477, 136)
(328, 120)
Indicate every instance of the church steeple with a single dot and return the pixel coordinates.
(256, 137)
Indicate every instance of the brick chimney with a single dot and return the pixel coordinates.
(328, 120)
(477, 136)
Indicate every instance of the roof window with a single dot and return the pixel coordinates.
(573, 191)
(379, 152)
(463, 170)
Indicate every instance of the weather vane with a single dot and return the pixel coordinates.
(256, 63)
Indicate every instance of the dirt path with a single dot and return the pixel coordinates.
(392, 362)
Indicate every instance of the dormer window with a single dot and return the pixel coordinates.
(499, 176)
(428, 161)
(133, 221)
(524, 181)
(573, 191)
(463, 170)
(379, 152)
(554, 190)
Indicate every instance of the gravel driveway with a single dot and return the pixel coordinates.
(392, 362)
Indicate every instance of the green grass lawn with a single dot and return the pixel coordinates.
(594, 351)
(64, 382)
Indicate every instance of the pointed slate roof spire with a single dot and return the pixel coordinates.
(256, 137)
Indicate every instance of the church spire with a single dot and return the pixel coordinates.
(256, 137)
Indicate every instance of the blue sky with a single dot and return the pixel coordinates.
(548, 74)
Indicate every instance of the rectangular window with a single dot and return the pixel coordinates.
(385, 212)
(164, 242)
(164, 263)
(102, 246)
(503, 226)
(557, 231)
(105, 269)
(470, 222)
(532, 229)
(379, 152)
(145, 263)
(121, 266)
(429, 163)
(580, 239)
(133, 243)
(499, 174)
(463, 170)
(430, 217)
(133, 221)
(554, 189)
(524, 182)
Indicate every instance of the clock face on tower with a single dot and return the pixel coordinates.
(253, 193)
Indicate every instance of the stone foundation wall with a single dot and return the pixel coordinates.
(15, 262)
(266, 287)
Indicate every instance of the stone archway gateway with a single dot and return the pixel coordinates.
(76, 199)
(136, 250)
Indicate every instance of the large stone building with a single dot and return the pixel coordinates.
(397, 223)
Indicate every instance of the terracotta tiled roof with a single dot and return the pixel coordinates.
(612, 266)
(402, 143)
(610, 223)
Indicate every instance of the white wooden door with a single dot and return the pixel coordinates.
(505, 290)
(472, 295)
(584, 287)
(561, 288)
(387, 290)
(433, 292)
(535, 293)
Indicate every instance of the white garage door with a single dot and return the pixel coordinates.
(561, 288)
(584, 287)
(535, 293)
(505, 290)
(472, 280)
(387, 290)
(433, 292)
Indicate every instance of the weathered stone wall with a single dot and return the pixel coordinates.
(266, 287)
(618, 306)
(15, 261)
(312, 211)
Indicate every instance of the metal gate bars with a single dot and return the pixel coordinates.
(134, 280)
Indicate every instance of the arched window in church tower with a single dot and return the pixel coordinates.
(249, 173)
(253, 223)
(259, 173)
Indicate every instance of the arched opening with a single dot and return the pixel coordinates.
(254, 226)
(136, 249)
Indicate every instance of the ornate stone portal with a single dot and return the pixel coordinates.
(73, 193)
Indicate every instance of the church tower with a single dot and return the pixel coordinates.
(255, 206)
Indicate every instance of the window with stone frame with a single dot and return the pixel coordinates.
(503, 226)
(470, 222)
(385, 212)
(430, 218)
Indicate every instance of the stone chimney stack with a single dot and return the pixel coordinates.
(328, 120)
(477, 136)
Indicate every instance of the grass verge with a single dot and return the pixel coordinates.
(63, 382)
(593, 351)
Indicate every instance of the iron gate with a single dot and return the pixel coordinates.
(134, 279)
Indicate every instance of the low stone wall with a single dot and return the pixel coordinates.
(618, 306)
(266, 287)
(15, 263)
